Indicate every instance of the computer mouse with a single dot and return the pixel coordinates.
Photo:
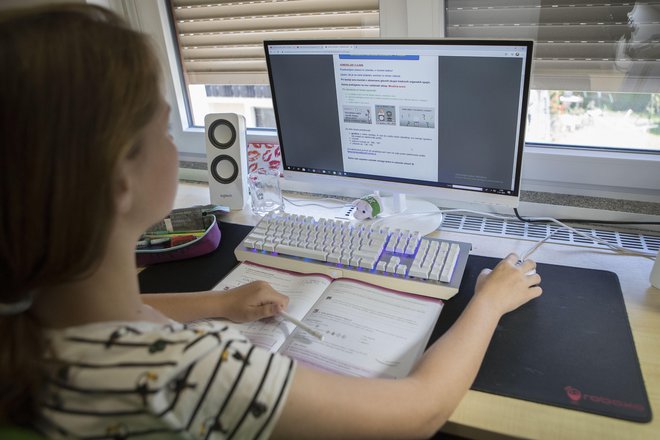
(531, 272)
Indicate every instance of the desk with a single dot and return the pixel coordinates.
(483, 415)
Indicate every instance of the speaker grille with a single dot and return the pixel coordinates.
(221, 123)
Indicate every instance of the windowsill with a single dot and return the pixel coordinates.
(602, 203)
(532, 203)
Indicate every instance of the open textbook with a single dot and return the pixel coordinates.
(367, 330)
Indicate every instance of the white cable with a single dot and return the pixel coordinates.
(562, 225)
(596, 239)
(538, 244)
(546, 219)
(344, 204)
(381, 218)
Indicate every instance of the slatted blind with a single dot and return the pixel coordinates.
(222, 42)
(580, 44)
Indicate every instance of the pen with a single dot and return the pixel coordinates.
(147, 242)
(161, 234)
(302, 325)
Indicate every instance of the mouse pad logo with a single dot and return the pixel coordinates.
(573, 393)
(576, 396)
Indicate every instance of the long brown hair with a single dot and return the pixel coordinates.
(77, 88)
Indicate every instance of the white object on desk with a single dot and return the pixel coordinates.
(655, 272)
(265, 193)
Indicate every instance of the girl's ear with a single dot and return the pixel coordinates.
(123, 187)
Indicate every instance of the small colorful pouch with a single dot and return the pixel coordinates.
(185, 233)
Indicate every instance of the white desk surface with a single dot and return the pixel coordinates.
(483, 415)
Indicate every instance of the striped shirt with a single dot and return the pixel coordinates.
(125, 380)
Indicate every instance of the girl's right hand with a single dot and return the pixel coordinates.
(509, 285)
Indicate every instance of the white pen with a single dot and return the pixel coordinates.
(302, 325)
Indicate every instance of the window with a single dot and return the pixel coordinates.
(627, 175)
(597, 66)
(221, 47)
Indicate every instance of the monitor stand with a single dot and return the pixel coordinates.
(409, 213)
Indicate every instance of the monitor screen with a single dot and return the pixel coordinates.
(440, 119)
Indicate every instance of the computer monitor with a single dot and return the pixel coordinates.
(438, 119)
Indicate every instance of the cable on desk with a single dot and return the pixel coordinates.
(382, 218)
(538, 244)
(590, 237)
(343, 203)
(546, 220)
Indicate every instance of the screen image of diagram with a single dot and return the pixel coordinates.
(417, 117)
(357, 114)
(385, 115)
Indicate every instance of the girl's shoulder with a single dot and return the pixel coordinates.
(163, 373)
(139, 339)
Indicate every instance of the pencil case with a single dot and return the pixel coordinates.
(185, 233)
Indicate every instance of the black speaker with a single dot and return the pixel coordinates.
(226, 155)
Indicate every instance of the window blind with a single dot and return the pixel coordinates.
(222, 42)
(580, 44)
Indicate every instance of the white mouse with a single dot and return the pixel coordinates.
(531, 272)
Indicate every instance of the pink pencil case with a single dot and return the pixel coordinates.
(205, 243)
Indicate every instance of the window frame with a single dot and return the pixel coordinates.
(569, 170)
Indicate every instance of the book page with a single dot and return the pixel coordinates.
(368, 331)
(303, 291)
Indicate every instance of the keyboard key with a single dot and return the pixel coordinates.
(450, 264)
(367, 263)
(391, 266)
(419, 273)
(301, 252)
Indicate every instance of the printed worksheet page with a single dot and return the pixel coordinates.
(303, 291)
(368, 331)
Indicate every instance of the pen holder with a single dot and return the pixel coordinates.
(200, 244)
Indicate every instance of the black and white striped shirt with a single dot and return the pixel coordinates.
(143, 380)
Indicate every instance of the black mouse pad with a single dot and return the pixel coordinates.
(572, 347)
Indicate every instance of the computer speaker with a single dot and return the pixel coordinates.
(226, 153)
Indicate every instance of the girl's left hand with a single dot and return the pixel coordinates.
(251, 302)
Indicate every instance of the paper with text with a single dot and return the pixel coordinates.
(368, 331)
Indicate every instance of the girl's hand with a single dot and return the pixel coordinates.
(251, 302)
(509, 285)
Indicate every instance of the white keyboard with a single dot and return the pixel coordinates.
(396, 259)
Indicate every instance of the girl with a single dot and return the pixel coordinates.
(86, 165)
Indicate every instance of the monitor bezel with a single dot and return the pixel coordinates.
(351, 186)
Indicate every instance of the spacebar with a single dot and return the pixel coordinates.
(301, 252)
